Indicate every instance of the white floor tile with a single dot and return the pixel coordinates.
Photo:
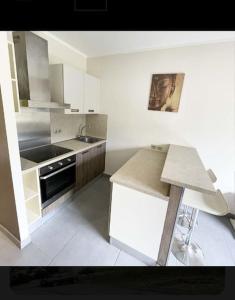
(78, 236)
(88, 248)
(125, 259)
(11, 255)
(53, 236)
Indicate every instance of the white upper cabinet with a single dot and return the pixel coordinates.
(92, 95)
(67, 86)
(72, 86)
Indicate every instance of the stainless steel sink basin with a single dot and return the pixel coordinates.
(88, 139)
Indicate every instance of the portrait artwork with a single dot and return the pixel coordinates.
(165, 92)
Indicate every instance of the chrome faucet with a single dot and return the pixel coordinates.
(81, 128)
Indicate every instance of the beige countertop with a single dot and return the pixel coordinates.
(142, 172)
(151, 172)
(183, 167)
(74, 145)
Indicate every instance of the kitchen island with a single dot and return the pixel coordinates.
(146, 195)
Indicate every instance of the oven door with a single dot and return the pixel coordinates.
(57, 183)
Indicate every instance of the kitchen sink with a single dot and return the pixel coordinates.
(88, 139)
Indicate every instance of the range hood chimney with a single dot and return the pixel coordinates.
(32, 66)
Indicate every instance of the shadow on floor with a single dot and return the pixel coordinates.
(93, 204)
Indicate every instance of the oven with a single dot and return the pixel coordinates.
(56, 179)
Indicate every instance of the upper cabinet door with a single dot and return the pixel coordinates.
(73, 88)
(92, 95)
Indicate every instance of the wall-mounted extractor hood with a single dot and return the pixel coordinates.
(32, 66)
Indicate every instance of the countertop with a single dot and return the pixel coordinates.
(142, 172)
(152, 172)
(74, 145)
(184, 168)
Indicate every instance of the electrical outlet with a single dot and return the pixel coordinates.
(155, 147)
(57, 131)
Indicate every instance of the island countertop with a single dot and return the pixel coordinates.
(142, 172)
(183, 167)
(152, 172)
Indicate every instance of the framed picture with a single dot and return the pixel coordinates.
(165, 92)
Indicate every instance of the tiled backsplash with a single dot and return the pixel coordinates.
(97, 125)
(65, 127)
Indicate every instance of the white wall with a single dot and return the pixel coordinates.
(206, 114)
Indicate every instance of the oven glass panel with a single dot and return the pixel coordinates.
(57, 183)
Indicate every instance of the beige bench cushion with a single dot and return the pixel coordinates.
(212, 204)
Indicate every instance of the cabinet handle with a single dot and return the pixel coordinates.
(74, 110)
(99, 146)
(90, 110)
(85, 152)
(57, 172)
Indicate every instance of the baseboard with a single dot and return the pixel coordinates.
(25, 243)
(35, 225)
(231, 216)
(138, 255)
(232, 221)
(18, 243)
(107, 175)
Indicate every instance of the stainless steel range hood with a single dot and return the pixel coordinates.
(32, 65)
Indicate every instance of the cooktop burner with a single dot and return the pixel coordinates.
(43, 153)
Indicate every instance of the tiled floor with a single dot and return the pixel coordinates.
(78, 235)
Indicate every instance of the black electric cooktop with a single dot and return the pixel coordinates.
(43, 153)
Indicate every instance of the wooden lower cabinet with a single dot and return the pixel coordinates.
(99, 159)
(90, 164)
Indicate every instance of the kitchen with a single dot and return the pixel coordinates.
(63, 154)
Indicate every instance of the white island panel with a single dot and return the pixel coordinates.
(137, 220)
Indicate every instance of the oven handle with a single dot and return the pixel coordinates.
(56, 172)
